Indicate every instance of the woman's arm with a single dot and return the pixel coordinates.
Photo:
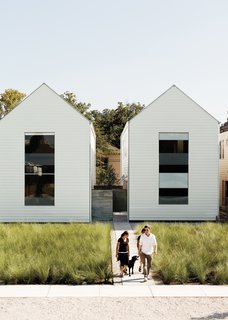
(117, 248)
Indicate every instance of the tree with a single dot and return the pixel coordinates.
(106, 176)
(112, 121)
(123, 113)
(82, 107)
(109, 125)
(9, 100)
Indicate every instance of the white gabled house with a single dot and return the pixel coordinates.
(170, 161)
(47, 161)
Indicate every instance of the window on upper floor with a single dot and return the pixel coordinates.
(39, 169)
(221, 149)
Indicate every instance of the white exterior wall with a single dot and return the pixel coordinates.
(124, 152)
(92, 155)
(223, 167)
(173, 112)
(45, 111)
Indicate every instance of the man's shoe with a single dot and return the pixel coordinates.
(140, 269)
(145, 279)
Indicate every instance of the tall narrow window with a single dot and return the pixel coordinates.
(221, 149)
(39, 169)
(173, 168)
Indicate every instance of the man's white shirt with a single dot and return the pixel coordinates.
(147, 243)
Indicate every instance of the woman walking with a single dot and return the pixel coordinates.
(122, 251)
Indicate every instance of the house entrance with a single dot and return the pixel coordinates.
(119, 200)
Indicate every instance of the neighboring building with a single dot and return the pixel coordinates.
(223, 155)
(108, 165)
(170, 161)
(47, 162)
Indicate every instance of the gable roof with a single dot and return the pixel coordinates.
(178, 89)
(50, 89)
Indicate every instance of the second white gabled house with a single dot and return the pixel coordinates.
(170, 161)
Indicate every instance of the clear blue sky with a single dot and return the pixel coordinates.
(124, 50)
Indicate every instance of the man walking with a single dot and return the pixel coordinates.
(148, 246)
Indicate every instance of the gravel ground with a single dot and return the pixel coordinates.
(113, 308)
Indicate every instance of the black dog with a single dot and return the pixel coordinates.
(131, 264)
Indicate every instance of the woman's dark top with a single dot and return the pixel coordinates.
(123, 252)
(123, 245)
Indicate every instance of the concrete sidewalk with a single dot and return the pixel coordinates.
(51, 291)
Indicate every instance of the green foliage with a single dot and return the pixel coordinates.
(106, 176)
(110, 122)
(9, 99)
(191, 252)
(82, 107)
(55, 253)
(108, 126)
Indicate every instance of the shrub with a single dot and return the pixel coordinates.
(191, 252)
(55, 253)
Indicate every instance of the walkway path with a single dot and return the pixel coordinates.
(120, 225)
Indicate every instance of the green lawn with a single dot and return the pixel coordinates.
(191, 252)
(55, 253)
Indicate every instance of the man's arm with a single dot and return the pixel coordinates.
(155, 246)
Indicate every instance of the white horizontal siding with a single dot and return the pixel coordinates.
(93, 156)
(44, 111)
(173, 112)
(124, 151)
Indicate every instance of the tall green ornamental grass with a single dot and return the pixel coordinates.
(55, 253)
(191, 252)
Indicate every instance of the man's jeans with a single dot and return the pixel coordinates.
(146, 261)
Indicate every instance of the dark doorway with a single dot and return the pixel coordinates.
(119, 200)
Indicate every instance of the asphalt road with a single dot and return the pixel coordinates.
(113, 308)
